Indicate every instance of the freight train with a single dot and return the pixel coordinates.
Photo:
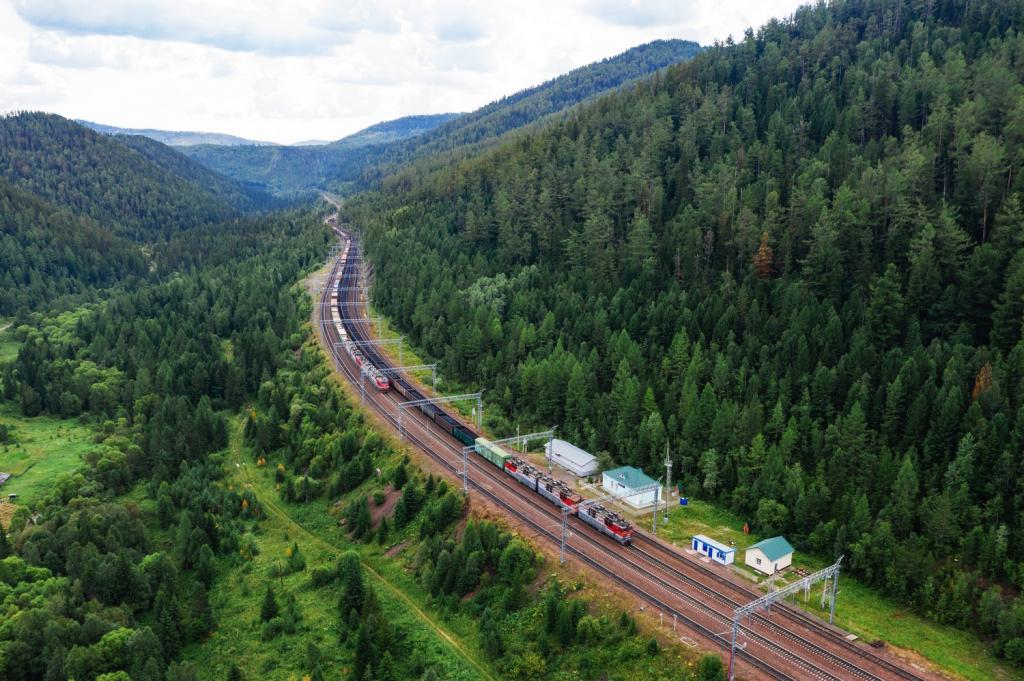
(557, 492)
(597, 516)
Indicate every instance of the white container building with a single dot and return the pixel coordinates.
(716, 551)
(571, 458)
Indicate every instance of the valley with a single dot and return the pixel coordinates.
(564, 346)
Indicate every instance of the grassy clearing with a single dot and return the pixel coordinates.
(859, 609)
(236, 601)
(44, 448)
(8, 343)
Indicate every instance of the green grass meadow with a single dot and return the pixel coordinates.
(8, 343)
(44, 448)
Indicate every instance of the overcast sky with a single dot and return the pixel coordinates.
(293, 70)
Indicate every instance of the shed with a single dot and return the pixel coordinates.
(634, 486)
(571, 458)
(4, 477)
(716, 551)
(770, 555)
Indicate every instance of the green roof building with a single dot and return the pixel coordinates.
(770, 555)
(634, 486)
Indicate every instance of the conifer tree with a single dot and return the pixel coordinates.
(268, 608)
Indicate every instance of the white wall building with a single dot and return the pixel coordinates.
(571, 458)
(634, 486)
(770, 555)
(715, 550)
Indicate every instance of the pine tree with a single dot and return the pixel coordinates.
(400, 477)
(884, 315)
(268, 609)
(552, 602)
(353, 594)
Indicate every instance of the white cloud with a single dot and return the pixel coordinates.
(303, 69)
(641, 13)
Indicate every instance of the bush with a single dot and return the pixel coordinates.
(710, 669)
(272, 629)
(378, 498)
(321, 576)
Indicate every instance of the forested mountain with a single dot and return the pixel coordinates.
(391, 131)
(797, 259)
(242, 196)
(286, 169)
(173, 138)
(527, 106)
(342, 163)
(137, 195)
(47, 253)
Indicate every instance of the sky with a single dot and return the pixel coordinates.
(295, 70)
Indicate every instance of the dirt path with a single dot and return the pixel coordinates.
(244, 467)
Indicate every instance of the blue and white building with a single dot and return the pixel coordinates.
(716, 551)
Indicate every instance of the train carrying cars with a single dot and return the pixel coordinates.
(558, 493)
(523, 472)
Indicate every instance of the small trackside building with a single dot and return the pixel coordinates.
(770, 555)
(632, 485)
(716, 551)
(571, 458)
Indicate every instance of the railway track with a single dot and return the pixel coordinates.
(648, 570)
(784, 609)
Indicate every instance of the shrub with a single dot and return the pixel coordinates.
(321, 576)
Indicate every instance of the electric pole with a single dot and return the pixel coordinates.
(668, 480)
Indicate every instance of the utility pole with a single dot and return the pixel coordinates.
(654, 516)
(668, 480)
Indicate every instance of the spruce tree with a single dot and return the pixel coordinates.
(268, 609)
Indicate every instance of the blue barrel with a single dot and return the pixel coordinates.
(683, 501)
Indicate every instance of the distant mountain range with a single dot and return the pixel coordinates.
(177, 138)
(135, 187)
(81, 211)
(365, 156)
(294, 168)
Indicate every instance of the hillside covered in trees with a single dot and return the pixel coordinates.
(47, 253)
(379, 149)
(172, 138)
(134, 187)
(522, 108)
(797, 259)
